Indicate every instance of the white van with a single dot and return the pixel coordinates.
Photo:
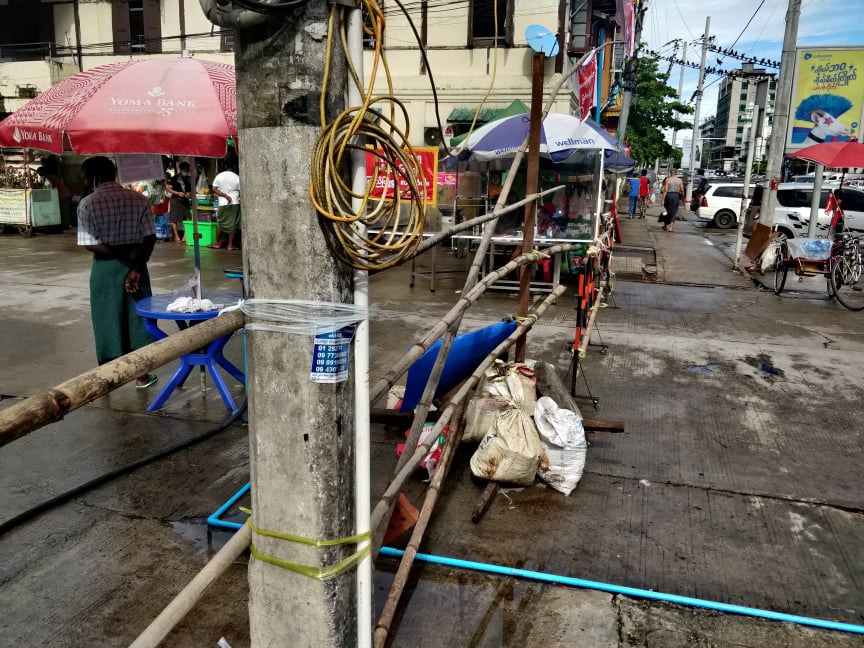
(792, 213)
(721, 203)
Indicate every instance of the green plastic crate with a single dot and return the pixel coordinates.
(207, 231)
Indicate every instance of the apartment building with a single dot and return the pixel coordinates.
(734, 114)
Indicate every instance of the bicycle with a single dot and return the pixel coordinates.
(841, 265)
(844, 276)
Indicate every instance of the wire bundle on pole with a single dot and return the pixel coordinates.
(378, 234)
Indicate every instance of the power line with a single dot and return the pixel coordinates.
(683, 21)
(748, 24)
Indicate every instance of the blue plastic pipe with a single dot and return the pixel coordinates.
(628, 591)
(601, 39)
(214, 520)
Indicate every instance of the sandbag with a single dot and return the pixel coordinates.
(564, 446)
(511, 451)
(503, 386)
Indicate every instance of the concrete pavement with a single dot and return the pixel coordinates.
(737, 480)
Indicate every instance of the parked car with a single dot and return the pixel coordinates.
(721, 203)
(792, 213)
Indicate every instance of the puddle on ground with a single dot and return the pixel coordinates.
(711, 368)
(764, 363)
(197, 533)
(442, 607)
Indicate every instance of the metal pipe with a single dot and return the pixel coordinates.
(636, 592)
(362, 423)
(814, 202)
(52, 405)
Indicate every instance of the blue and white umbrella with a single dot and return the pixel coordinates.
(560, 137)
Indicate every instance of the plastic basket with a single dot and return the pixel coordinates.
(206, 230)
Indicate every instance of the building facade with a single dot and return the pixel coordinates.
(466, 60)
(734, 114)
(40, 48)
(44, 42)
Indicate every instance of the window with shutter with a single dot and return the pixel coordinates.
(122, 36)
(481, 23)
(152, 26)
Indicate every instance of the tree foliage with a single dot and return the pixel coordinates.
(653, 108)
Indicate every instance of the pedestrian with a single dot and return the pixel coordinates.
(226, 185)
(180, 189)
(673, 190)
(634, 193)
(644, 190)
(116, 225)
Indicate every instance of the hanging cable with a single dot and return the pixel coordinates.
(389, 235)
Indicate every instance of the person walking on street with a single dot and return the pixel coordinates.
(634, 194)
(673, 190)
(644, 189)
(180, 189)
(226, 185)
(116, 225)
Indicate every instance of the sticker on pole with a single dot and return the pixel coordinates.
(330, 354)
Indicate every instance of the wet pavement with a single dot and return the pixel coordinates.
(737, 479)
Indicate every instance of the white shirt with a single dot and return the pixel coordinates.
(228, 183)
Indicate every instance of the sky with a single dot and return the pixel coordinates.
(822, 22)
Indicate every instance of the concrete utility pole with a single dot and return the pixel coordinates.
(694, 138)
(680, 90)
(783, 97)
(745, 190)
(301, 433)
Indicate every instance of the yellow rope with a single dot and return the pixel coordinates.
(318, 573)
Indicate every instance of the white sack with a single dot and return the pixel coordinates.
(511, 451)
(563, 438)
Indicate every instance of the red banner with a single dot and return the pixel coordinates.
(587, 74)
(385, 185)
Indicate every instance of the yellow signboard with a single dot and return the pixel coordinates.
(827, 96)
(13, 207)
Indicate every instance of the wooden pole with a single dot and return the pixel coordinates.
(52, 405)
(189, 596)
(537, 63)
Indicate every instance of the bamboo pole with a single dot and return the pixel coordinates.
(52, 405)
(382, 628)
(467, 299)
(432, 241)
(395, 487)
(189, 596)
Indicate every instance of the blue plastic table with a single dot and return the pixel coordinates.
(154, 308)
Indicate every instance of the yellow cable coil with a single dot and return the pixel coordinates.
(399, 231)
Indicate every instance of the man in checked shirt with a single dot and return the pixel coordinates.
(117, 226)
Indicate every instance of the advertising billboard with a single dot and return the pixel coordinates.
(827, 96)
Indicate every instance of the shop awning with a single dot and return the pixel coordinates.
(515, 108)
(466, 114)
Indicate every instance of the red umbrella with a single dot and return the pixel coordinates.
(833, 155)
(178, 106)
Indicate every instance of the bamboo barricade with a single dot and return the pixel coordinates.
(382, 628)
(52, 405)
(221, 561)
